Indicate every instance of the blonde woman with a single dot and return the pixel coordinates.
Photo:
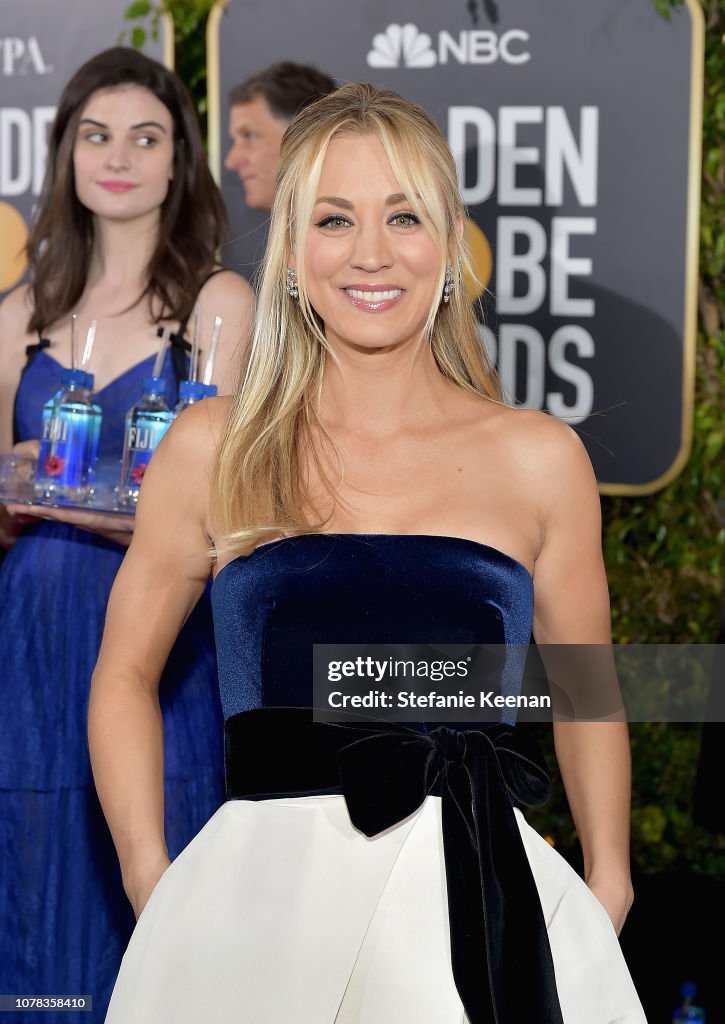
(366, 485)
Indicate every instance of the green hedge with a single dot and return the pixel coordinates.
(664, 552)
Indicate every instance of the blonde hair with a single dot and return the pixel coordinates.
(258, 491)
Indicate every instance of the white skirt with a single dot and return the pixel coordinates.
(280, 912)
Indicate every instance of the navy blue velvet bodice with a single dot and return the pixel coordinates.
(272, 606)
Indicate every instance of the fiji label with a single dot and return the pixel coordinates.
(142, 440)
(64, 451)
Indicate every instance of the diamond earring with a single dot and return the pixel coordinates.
(448, 286)
(292, 289)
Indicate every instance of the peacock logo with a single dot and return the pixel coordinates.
(402, 46)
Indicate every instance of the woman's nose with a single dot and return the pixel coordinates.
(117, 156)
(371, 250)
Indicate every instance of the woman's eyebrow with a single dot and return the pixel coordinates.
(393, 200)
(148, 124)
(335, 201)
(134, 127)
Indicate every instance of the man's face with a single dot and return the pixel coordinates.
(256, 137)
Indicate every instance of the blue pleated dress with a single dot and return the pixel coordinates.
(64, 918)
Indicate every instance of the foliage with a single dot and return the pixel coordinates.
(665, 7)
(664, 838)
(664, 552)
(189, 17)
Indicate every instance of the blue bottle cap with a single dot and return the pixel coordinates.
(191, 389)
(89, 381)
(210, 390)
(154, 385)
(77, 377)
(688, 989)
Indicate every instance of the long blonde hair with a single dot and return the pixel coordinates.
(258, 490)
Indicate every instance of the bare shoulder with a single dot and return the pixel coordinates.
(227, 290)
(15, 311)
(542, 445)
(229, 296)
(196, 433)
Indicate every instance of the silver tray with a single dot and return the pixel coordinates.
(17, 486)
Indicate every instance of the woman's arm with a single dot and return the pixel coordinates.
(572, 608)
(14, 314)
(161, 579)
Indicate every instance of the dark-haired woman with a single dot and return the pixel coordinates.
(127, 230)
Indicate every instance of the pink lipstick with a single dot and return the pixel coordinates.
(116, 186)
(373, 298)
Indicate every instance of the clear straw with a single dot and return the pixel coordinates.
(194, 360)
(73, 339)
(216, 331)
(88, 349)
(159, 364)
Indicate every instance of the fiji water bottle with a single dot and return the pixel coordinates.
(146, 424)
(688, 1011)
(70, 423)
(190, 391)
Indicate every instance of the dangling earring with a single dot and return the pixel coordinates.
(448, 286)
(292, 289)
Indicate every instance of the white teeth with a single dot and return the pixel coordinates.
(354, 293)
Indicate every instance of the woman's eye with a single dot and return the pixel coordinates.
(146, 141)
(404, 220)
(95, 137)
(334, 222)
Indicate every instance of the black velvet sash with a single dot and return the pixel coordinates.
(500, 952)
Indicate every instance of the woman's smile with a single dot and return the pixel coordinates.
(373, 298)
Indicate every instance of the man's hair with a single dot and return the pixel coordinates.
(287, 87)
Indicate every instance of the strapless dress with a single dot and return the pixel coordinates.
(370, 872)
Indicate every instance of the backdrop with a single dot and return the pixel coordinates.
(576, 129)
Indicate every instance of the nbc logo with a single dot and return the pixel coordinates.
(401, 44)
(406, 46)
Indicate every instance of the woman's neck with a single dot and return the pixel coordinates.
(121, 254)
(379, 393)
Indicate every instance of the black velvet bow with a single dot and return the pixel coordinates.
(500, 953)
